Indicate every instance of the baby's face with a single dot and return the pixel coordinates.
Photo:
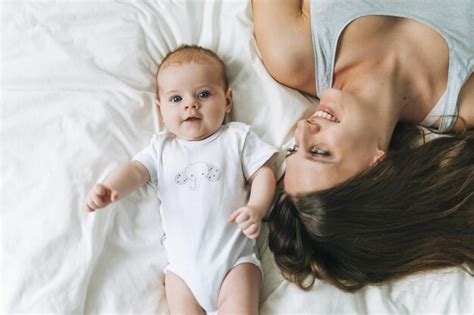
(192, 99)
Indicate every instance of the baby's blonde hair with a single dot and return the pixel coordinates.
(193, 53)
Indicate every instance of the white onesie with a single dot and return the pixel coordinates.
(200, 183)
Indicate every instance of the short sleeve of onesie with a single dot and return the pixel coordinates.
(255, 153)
(150, 155)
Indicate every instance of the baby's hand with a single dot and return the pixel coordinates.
(100, 196)
(249, 221)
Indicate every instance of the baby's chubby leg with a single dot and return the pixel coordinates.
(240, 290)
(180, 298)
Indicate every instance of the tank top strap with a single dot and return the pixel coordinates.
(435, 113)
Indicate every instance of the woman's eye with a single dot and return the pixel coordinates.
(204, 94)
(319, 152)
(291, 150)
(176, 98)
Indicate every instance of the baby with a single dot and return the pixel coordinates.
(209, 175)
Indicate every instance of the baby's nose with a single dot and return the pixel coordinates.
(193, 103)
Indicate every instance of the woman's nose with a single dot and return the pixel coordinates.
(309, 126)
(305, 130)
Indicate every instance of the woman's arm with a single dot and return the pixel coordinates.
(466, 108)
(283, 35)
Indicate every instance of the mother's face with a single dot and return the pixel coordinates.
(337, 142)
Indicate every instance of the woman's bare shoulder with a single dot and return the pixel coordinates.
(283, 34)
(466, 108)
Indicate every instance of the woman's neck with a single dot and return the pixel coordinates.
(393, 70)
(379, 93)
(394, 90)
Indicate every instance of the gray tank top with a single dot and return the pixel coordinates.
(453, 19)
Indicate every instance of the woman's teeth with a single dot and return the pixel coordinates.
(325, 115)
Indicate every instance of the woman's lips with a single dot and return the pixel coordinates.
(326, 113)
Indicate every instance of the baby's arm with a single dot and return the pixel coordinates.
(122, 181)
(249, 218)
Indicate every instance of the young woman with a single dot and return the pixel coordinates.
(364, 202)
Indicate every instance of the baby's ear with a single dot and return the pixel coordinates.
(228, 101)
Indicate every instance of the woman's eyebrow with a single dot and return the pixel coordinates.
(309, 157)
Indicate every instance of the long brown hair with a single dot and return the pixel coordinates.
(412, 212)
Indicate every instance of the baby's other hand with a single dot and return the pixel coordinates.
(249, 221)
(100, 196)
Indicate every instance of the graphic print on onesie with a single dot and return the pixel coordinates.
(194, 173)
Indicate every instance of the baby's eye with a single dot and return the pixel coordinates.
(176, 98)
(204, 94)
(319, 152)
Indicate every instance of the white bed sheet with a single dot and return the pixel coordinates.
(77, 99)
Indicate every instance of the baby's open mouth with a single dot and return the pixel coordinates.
(192, 119)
